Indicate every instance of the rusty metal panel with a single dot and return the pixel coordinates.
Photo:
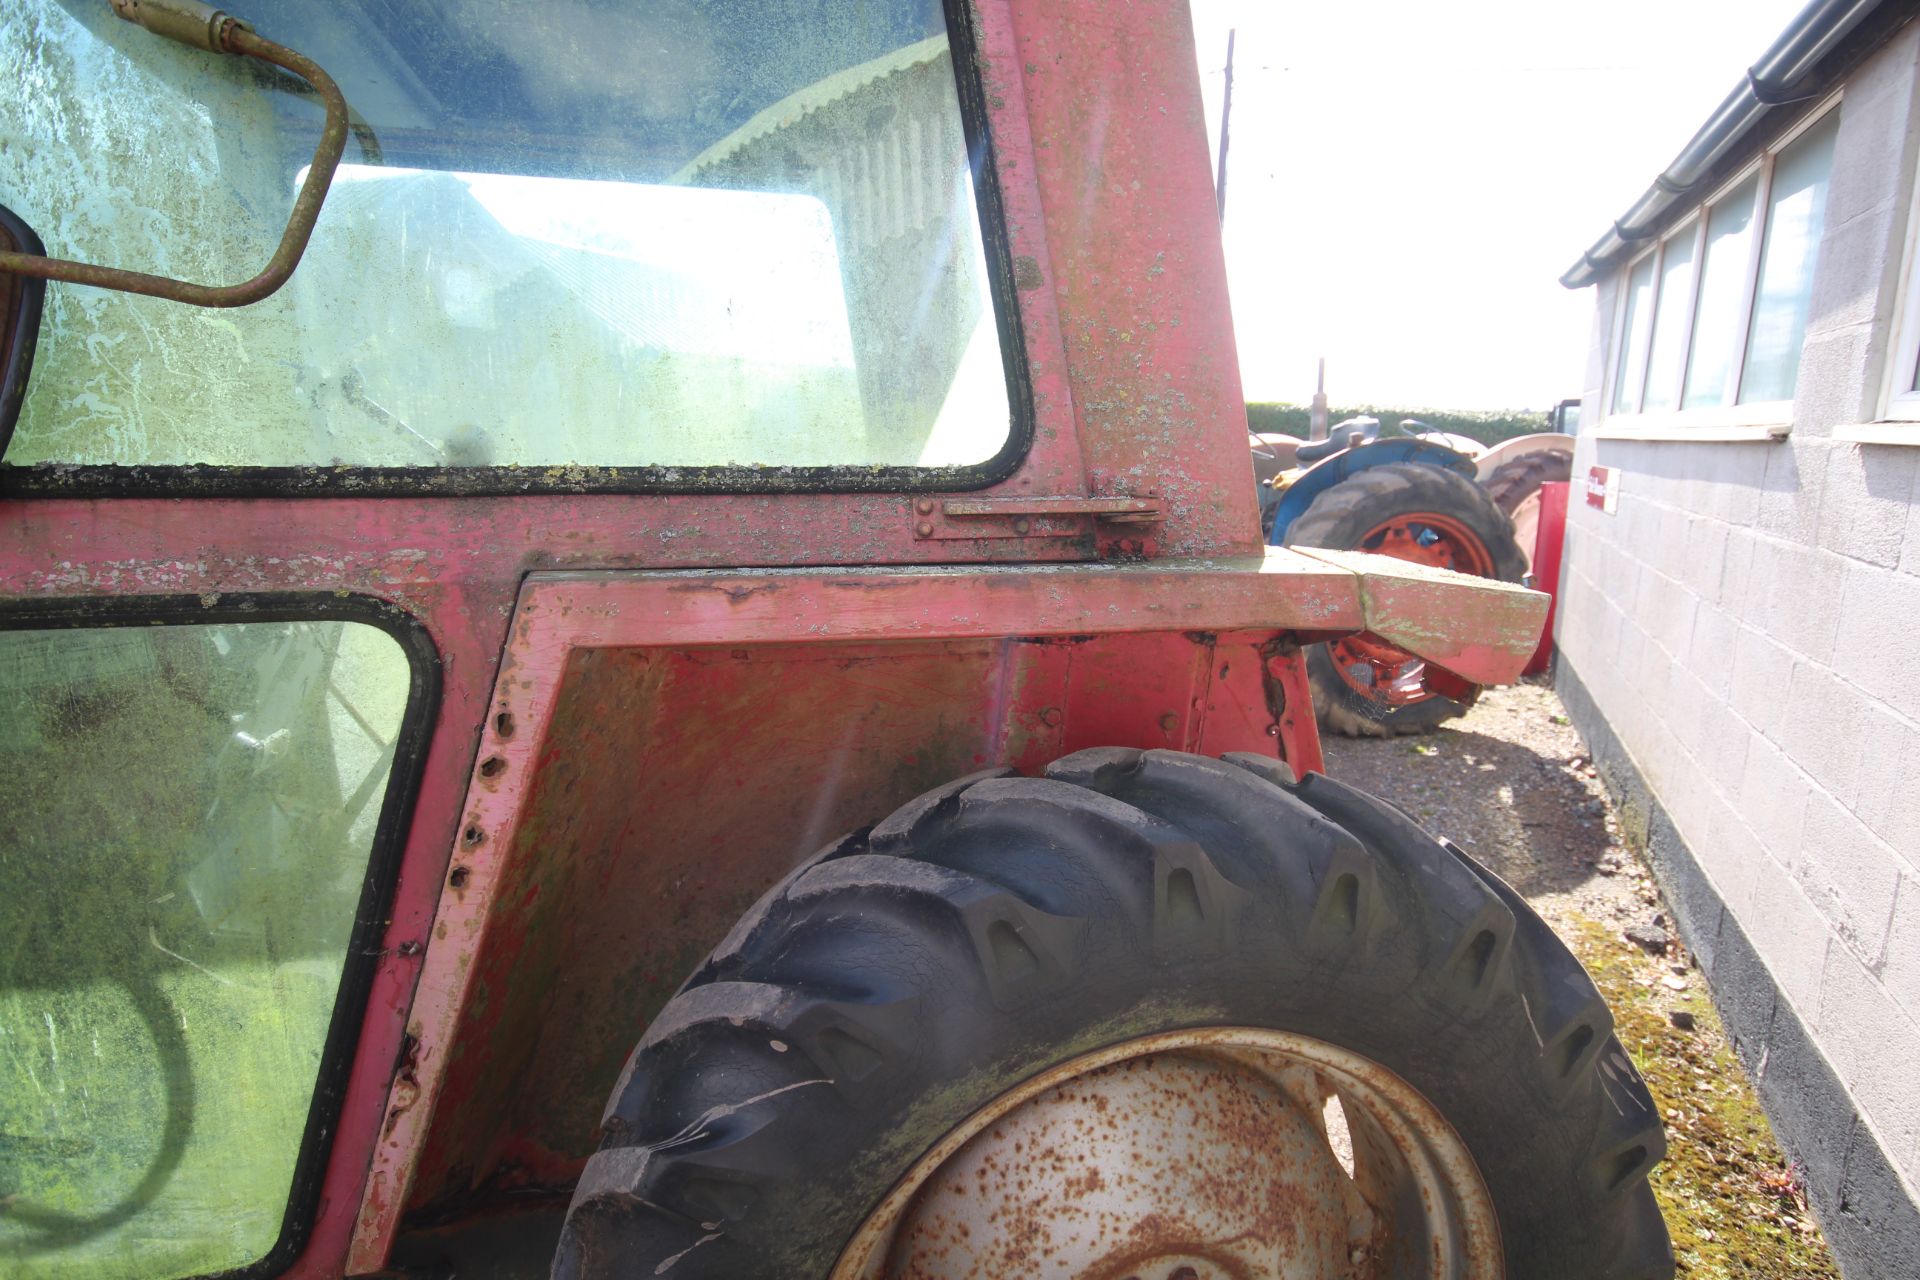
(1247, 707)
(1145, 690)
(672, 787)
(1126, 180)
(664, 746)
(1548, 549)
(1289, 691)
(605, 729)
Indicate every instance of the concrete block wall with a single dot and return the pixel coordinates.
(1744, 631)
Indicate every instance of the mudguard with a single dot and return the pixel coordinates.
(1519, 447)
(1323, 475)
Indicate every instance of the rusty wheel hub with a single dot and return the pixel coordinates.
(1211, 1154)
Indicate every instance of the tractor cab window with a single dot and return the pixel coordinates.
(600, 233)
(186, 887)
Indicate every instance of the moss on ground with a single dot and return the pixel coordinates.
(1736, 1208)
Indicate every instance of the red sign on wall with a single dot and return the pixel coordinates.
(1603, 490)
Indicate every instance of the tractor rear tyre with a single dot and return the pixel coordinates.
(1514, 487)
(1518, 479)
(1411, 511)
(1152, 1014)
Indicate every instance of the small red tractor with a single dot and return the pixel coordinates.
(686, 683)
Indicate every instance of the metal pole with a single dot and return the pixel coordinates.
(1226, 110)
(1317, 413)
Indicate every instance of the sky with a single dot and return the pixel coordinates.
(1407, 181)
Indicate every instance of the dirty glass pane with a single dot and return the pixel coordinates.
(1796, 216)
(1670, 323)
(1630, 370)
(1723, 287)
(189, 812)
(598, 232)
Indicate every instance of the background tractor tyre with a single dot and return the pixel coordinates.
(1369, 511)
(908, 976)
(1514, 487)
(1514, 481)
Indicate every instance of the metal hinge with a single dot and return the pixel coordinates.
(1029, 517)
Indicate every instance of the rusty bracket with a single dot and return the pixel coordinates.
(935, 518)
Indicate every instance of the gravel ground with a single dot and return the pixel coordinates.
(1511, 783)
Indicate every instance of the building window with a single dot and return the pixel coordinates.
(1723, 284)
(1630, 374)
(1715, 314)
(1901, 399)
(1672, 322)
(1903, 381)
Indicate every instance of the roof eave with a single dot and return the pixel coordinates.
(1787, 74)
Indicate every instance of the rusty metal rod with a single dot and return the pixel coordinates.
(221, 33)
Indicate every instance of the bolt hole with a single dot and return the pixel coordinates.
(459, 877)
(503, 724)
(493, 766)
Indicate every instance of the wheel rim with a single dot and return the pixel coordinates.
(1378, 671)
(1429, 538)
(1220, 1153)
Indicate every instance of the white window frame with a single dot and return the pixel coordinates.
(1729, 420)
(1898, 420)
(1622, 340)
(1693, 228)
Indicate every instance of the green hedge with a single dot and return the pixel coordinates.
(1488, 427)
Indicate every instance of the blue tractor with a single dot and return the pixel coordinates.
(1415, 494)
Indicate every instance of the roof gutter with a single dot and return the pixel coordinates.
(1777, 80)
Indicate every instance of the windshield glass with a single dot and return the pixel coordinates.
(686, 233)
